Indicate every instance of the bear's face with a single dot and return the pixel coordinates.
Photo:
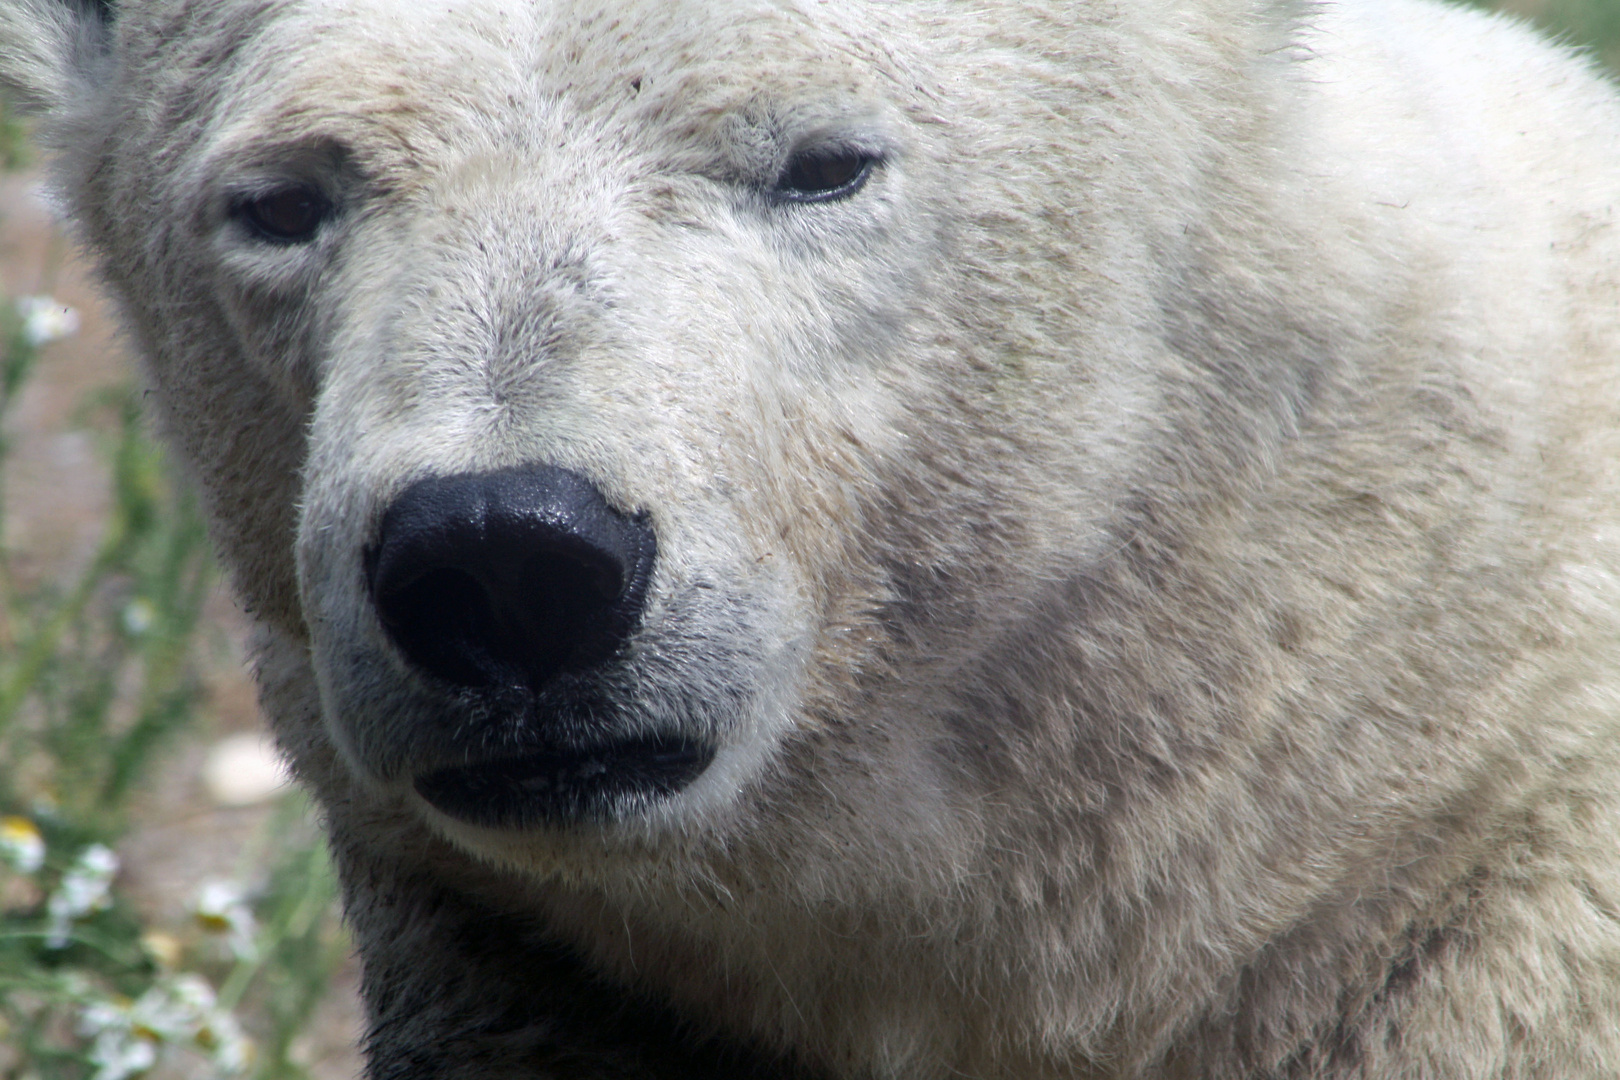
(577, 275)
(707, 304)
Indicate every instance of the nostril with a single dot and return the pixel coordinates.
(508, 578)
(445, 622)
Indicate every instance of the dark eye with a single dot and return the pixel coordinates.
(823, 175)
(289, 215)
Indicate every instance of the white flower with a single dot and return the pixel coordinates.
(178, 1012)
(121, 1048)
(222, 908)
(21, 845)
(169, 1010)
(118, 1055)
(46, 320)
(182, 1011)
(221, 1036)
(84, 889)
(139, 615)
(101, 1016)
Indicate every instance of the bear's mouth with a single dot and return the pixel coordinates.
(603, 783)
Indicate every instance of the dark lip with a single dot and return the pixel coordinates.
(565, 786)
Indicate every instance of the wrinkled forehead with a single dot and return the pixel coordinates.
(409, 75)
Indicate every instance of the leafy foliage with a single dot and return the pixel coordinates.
(99, 676)
(1589, 24)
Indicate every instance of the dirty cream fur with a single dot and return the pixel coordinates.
(1149, 560)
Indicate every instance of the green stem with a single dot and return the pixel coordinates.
(42, 644)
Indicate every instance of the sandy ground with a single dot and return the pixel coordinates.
(56, 499)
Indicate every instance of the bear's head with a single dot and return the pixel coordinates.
(742, 449)
(643, 415)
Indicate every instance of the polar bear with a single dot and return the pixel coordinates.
(1015, 539)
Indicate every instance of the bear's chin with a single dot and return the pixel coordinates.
(601, 784)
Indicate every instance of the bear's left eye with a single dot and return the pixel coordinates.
(823, 175)
(288, 215)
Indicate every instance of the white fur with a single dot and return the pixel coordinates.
(1147, 561)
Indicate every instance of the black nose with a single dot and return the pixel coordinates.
(508, 578)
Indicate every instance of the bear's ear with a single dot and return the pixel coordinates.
(52, 52)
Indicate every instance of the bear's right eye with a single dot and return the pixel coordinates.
(823, 175)
(289, 215)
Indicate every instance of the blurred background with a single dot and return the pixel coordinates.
(166, 905)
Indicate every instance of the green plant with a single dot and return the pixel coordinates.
(96, 678)
(99, 675)
(1589, 24)
(13, 144)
